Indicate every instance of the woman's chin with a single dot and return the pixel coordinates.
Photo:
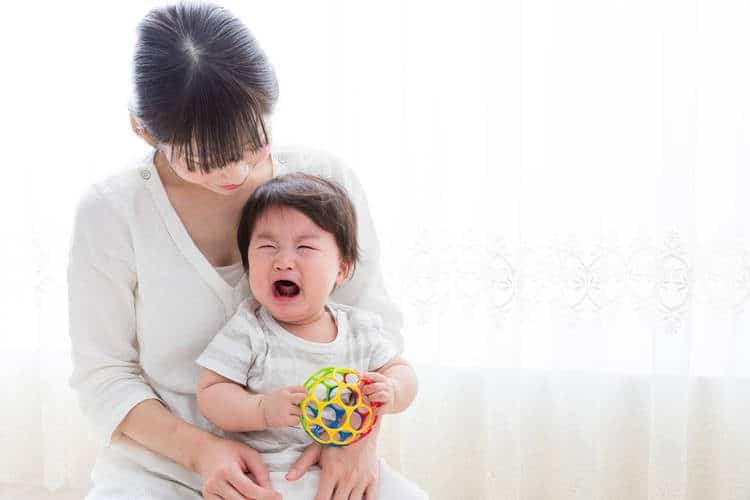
(221, 191)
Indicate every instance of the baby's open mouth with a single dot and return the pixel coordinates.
(285, 288)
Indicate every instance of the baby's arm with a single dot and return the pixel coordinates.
(229, 406)
(394, 386)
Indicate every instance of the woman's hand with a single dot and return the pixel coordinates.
(346, 472)
(223, 465)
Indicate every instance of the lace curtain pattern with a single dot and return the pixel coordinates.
(561, 193)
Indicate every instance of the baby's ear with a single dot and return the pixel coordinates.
(345, 272)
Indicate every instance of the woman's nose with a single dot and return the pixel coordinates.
(234, 172)
(226, 173)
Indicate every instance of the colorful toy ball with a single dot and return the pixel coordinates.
(335, 413)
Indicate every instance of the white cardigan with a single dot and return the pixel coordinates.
(145, 302)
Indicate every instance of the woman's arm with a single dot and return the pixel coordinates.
(221, 463)
(101, 296)
(106, 370)
(228, 406)
(155, 427)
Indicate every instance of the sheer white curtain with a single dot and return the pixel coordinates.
(561, 192)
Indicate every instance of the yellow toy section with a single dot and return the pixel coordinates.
(335, 413)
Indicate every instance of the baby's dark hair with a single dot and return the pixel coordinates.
(326, 203)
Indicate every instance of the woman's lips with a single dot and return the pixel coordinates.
(230, 187)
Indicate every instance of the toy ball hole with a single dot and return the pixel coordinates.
(311, 410)
(351, 378)
(356, 420)
(349, 397)
(334, 391)
(342, 437)
(330, 382)
(339, 377)
(323, 435)
(320, 392)
(363, 411)
(333, 416)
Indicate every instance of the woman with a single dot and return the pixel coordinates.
(154, 271)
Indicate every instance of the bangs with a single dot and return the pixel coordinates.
(218, 125)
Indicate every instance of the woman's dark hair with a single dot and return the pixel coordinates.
(324, 202)
(202, 84)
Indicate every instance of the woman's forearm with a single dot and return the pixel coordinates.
(152, 425)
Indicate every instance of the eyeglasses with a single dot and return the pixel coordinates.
(251, 158)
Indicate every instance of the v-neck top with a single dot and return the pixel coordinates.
(144, 302)
(231, 274)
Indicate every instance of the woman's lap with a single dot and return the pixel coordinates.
(395, 486)
(127, 489)
(138, 484)
(129, 481)
(392, 485)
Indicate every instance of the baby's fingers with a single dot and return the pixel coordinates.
(291, 420)
(373, 388)
(380, 397)
(382, 409)
(381, 403)
(373, 377)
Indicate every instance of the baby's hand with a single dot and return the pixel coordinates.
(381, 389)
(281, 407)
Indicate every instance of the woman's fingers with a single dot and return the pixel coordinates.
(372, 491)
(309, 457)
(325, 487)
(343, 489)
(256, 466)
(358, 493)
(242, 486)
(226, 492)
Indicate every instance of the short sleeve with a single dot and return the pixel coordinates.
(368, 328)
(233, 351)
